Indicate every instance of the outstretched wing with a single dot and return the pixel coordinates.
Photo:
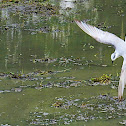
(101, 36)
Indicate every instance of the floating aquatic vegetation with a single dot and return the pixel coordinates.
(29, 76)
(11, 90)
(40, 80)
(17, 75)
(43, 8)
(91, 47)
(57, 104)
(44, 60)
(123, 122)
(103, 25)
(63, 61)
(15, 1)
(46, 79)
(17, 89)
(96, 107)
(38, 30)
(40, 118)
(5, 125)
(66, 61)
(104, 79)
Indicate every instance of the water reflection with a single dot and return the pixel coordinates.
(13, 46)
(18, 28)
(45, 36)
(72, 7)
(4, 14)
(64, 4)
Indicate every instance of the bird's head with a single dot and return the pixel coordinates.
(114, 56)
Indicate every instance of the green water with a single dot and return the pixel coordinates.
(64, 58)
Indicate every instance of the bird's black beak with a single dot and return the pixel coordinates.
(112, 62)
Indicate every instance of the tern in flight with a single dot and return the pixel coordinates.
(111, 39)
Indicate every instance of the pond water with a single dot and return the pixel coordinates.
(47, 62)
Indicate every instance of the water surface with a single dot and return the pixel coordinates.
(55, 60)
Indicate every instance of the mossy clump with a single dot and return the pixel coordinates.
(17, 75)
(57, 104)
(104, 79)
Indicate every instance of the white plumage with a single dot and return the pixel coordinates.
(111, 39)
